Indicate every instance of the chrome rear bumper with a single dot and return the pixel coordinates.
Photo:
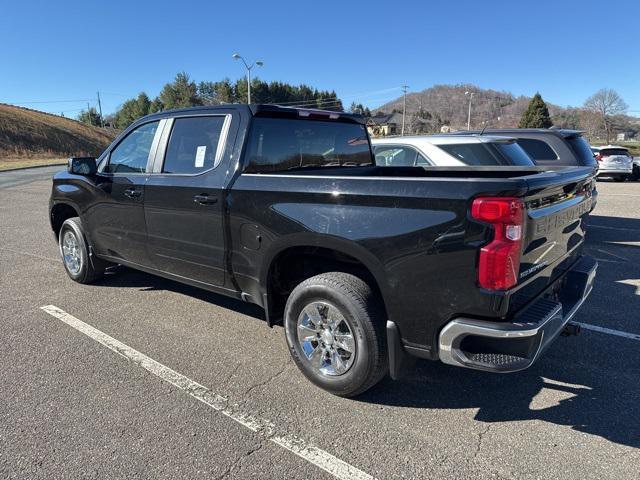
(516, 345)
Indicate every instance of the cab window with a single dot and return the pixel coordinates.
(193, 144)
(132, 153)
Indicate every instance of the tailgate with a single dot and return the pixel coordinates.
(556, 206)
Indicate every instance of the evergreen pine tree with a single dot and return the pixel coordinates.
(536, 115)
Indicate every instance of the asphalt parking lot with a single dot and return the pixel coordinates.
(78, 403)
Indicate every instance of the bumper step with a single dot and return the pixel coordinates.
(516, 344)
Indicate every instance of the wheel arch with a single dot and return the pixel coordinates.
(59, 212)
(305, 257)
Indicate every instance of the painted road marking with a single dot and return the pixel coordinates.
(41, 257)
(612, 254)
(262, 427)
(618, 194)
(609, 331)
(590, 225)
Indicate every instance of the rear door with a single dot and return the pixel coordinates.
(183, 205)
(116, 222)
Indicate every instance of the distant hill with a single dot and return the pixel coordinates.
(30, 133)
(451, 105)
(447, 105)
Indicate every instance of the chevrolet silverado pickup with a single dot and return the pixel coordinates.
(367, 267)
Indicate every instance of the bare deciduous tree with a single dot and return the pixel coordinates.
(606, 103)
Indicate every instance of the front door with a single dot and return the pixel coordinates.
(116, 221)
(184, 203)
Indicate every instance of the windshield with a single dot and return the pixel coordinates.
(488, 154)
(278, 144)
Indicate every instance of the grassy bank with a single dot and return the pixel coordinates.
(10, 163)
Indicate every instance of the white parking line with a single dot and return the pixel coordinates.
(619, 195)
(621, 229)
(262, 427)
(41, 257)
(612, 254)
(609, 331)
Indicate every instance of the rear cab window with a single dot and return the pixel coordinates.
(194, 144)
(282, 144)
(488, 154)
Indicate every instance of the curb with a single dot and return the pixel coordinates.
(32, 167)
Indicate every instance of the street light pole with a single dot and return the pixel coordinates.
(259, 63)
(404, 106)
(469, 114)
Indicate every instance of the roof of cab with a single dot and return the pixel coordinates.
(267, 110)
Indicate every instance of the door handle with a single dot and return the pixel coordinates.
(204, 199)
(132, 193)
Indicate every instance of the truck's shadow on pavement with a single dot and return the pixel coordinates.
(598, 395)
(591, 401)
(128, 278)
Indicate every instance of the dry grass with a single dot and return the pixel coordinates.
(28, 134)
(10, 163)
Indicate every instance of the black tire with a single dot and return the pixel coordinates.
(363, 313)
(91, 267)
(636, 173)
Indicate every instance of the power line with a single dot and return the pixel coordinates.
(357, 96)
(334, 103)
(52, 101)
(304, 100)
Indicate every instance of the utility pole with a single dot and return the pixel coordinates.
(404, 106)
(100, 110)
(470, 94)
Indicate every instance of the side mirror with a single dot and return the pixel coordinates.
(82, 165)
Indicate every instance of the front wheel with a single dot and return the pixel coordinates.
(334, 327)
(79, 265)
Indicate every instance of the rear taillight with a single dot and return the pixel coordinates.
(499, 261)
(599, 157)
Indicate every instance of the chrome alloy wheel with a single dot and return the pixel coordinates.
(71, 253)
(326, 339)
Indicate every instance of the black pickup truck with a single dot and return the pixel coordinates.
(366, 266)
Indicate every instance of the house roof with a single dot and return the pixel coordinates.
(387, 118)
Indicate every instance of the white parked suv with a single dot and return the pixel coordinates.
(614, 162)
(449, 150)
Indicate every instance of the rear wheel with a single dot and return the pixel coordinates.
(334, 327)
(79, 265)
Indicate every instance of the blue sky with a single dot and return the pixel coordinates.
(52, 52)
